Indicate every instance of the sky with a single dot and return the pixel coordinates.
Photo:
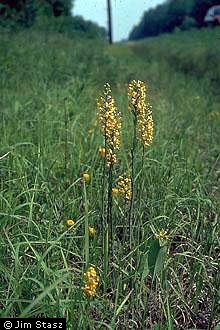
(125, 13)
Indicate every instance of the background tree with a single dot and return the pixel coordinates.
(24, 12)
(171, 14)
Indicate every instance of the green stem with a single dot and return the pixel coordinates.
(130, 215)
(66, 138)
(109, 209)
(142, 158)
(139, 223)
(86, 246)
(103, 222)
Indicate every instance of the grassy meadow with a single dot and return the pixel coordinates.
(50, 137)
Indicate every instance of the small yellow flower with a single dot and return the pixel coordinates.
(162, 235)
(92, 231)
(102, 151)
(86, 177)
(70, 222)
(115, 191)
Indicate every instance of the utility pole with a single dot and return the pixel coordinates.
(109, 9)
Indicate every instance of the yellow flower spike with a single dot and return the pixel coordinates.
(91, 282)
(92, 231)
(70, 222)
(86, 177)
(102, 151)
(142, 110)
(110, 122)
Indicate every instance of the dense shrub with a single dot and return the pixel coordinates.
(70, 25)
(46, 15)
(188, 23)
(24, 12)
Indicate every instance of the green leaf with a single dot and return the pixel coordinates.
(143, 267)
(160, 259)
(156, 257)
(153, 254)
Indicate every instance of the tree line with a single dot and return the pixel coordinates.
(183, 14)
(55, 15)
(25, 12)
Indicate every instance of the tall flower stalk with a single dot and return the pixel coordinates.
(142, 130)
(110, 122)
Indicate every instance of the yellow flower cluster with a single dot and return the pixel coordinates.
(110, 121)
(213, 114)
(91, 282)
(162, 235)
(70, 222)
(115, 191)
(141, 109)
(92, 231)
(86, 177)
(124, 187)
(102, 151)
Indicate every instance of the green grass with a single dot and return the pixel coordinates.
(49, 85)
(194, 53)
